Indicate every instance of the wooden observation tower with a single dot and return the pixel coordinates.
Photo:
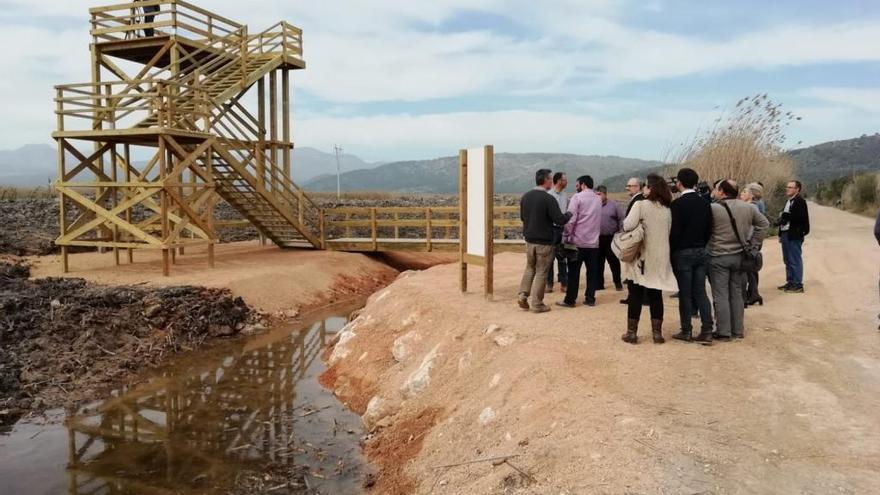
(184, 108)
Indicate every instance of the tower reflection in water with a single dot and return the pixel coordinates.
(192, 430)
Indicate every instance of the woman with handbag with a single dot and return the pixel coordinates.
(731, 255)
(752, 194)
(650, 272)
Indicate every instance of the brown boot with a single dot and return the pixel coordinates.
(657, 332)
(632, 326)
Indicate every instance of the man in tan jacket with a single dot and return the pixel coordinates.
(732, 221)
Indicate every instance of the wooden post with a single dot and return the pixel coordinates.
(490, 220)
(396, 227)
(128, 193)
(285, 120)
(209, 167)
(163, 171)
(114, 200)
(261, 143)
(374, 228)
(429, 228)
(62, 171)
(322, 229)
(462, 219)
(273, 128)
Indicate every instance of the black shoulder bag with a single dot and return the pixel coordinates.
(750, 261)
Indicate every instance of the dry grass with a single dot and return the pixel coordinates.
(744, 145)
(14, 193)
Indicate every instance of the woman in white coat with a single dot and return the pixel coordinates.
(651, 273)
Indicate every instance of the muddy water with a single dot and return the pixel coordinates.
(207, 424)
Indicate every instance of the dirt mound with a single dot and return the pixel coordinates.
(29, 226)
(62, 338)
(792, 408)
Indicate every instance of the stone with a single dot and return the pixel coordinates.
(419, 380)
(378, 409)
(401, 349)
(464, 362)
(491, 329)
(495, 381)
(152, 311)
(221, 330)
(487, 416)
(504, 339)
(341, 350)
(291, 313)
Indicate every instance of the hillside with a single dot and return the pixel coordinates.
(514, 172)
(819, 163)
(834, 159)
(35, 165)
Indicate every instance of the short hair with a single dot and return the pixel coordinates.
(659, 190)
(728, 188)
(558, 177)
(688, 177)
(541, 176)
(798, 184)
(602, 189)
(586, 180)
(755, 189)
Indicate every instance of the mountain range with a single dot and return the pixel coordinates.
(514, 172)
(35, 165)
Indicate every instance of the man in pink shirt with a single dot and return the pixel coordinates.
(583, 232)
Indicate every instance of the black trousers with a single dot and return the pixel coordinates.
(590, 257)
(606, 254)
(636, 294)
(148, 19)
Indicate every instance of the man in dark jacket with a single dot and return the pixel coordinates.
(794, 226)
(539, 211)
(690, 232)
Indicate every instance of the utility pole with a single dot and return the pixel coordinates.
(338, 150)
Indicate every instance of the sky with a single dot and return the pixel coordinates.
(414, 79)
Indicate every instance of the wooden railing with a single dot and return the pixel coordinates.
(174, 105)
(429, 224)
(172, 17)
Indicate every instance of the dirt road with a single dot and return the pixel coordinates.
(793, 408)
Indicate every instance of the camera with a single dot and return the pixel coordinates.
(704, 190)
(671, 182)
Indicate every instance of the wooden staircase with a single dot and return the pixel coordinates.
(282, 212)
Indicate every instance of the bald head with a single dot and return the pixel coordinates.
(633, 186)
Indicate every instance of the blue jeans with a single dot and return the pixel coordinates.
(792, 256)
(691, 267)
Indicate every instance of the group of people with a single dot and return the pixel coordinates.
(715, 234)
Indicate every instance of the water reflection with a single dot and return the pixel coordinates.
(193, 428)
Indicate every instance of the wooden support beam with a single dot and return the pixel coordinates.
(285, 121)
(273, 127)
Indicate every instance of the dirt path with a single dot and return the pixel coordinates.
(268, 278)
(793, 408)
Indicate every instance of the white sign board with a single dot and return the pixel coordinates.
(476, 201)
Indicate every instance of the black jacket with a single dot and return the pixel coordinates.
(797, 219)
(538, 211)
(691, 223)
(638, 197)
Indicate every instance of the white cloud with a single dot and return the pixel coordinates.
(424, 136)
(362, 51)
(861, 98)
